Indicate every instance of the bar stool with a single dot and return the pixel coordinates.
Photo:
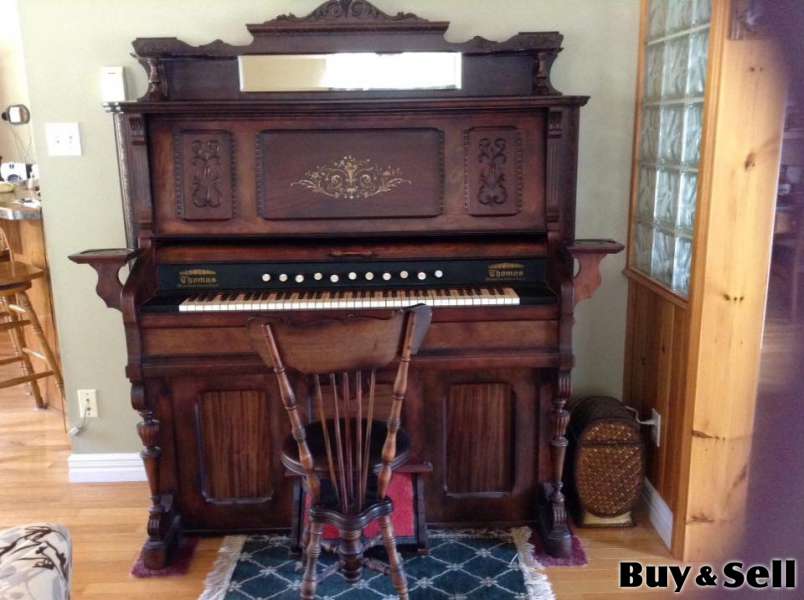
(348, 480)
(16, 312)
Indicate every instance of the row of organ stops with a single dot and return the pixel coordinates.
(351, 276)
(347, 299)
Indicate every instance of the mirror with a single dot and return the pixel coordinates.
(16, 114)
(356, 71)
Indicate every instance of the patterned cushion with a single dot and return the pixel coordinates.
(35, 562)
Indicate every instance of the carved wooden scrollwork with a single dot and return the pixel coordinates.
(157, 81)
(350, 178)
(205, 175)
(493, 171)
(349, 10)
(492, 159)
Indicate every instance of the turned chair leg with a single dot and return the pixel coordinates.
(311, 554)
(18, 341)
(52, 363)
(394, 560)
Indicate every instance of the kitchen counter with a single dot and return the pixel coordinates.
(14, 208)
(22, 224)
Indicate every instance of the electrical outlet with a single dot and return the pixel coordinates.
(656, 430)
(88, 404)
(63, 139)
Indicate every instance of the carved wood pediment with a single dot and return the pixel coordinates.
(348, 26)
(342, 13)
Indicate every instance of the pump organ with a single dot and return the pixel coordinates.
(239, 202)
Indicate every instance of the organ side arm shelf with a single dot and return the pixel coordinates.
(239, 200)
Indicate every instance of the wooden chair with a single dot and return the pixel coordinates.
(347, 481)
(17, 312)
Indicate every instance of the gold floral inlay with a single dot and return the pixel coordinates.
(350, 178)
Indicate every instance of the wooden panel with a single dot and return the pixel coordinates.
(221, 449)
(462, 336)
(493, 171)
(235, 448)
(338, 174)
(654, 378)
(482, 431)
(730, 272)
(479, 439)
(205, 185)
(428, 148)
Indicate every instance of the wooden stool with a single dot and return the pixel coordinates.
(348, 480)
(16, 312)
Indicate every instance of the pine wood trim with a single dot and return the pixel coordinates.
(721, 17)
(639, 278)
(640, 91)
(744, 111)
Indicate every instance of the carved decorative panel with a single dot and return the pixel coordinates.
(479, 439)
(369, 173)
(493, 171)
(235, 446)
(205, 175)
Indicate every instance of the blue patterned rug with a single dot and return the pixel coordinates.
(462, 565)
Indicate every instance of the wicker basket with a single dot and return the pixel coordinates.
(606, 462)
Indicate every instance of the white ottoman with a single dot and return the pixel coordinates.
(35, 562)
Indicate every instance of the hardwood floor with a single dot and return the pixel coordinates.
(107, 521)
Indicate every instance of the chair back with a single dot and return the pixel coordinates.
(346, 353)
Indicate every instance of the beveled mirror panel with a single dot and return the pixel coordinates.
(363, 71)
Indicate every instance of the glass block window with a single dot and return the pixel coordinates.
(676, 50)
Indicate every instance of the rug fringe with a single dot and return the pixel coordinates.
(536, 581)
(217, 582)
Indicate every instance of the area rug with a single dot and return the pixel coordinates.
(462, 565)
(179, 565)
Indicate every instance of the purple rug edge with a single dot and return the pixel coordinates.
(577, 557)
(180, 564)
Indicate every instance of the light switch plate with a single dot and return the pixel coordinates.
(63, 139)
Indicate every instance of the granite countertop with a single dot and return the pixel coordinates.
(13, 208)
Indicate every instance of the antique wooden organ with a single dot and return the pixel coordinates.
(242, 202)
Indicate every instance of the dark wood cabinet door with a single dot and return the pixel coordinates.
(481, 433)
(228, 434)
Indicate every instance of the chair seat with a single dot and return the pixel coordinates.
(17, 274)
(315, 441)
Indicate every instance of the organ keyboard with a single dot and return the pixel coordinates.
(354, 299)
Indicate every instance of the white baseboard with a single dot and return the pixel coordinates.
(105, 468)
(661, 517)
